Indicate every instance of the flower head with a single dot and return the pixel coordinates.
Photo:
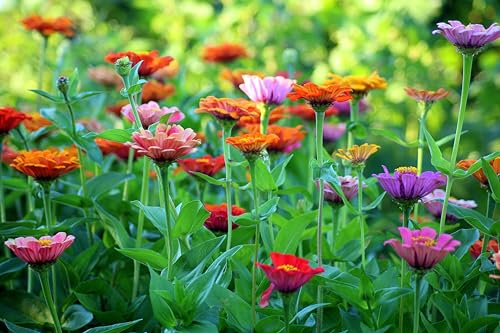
(252, 145)
(167, 72)
(207, 164)
(426, 96)
(333, 132)
(349, 187)
(156, 91)
(118, 149)
(227, 109)
(320, 96)
(479, 174)
(10, 118)
(151, 61)
(105, 76)
(476, 248)
(236, 76)
(358, 154)
(434, 206)
(151, 113)
(269, 90)
(35, 121)
(496, 258)
(405, 187)
(289, 137)
(468, 38)
(217, 221)
(287, 274)
(224, 53)
(306, 112)
(8, 154)
(275, 115)
(167, 144)
(40, 252)
(344, 108)
(48, 26)
(359, 84)
(46, 165)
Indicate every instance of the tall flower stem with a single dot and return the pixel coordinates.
(29, 198)
(335, 225)
(47, 207)
(44, 280)
(264, 117)
(420, 149)
(466, 77)
(486, 238)
(227, 127)
(3, 216)
(416, 303)
(311, 152)
(43, 52)
(163, 182)
(257, 240)
(406, 219)
(130, 164)
(286, 310)
(353, 117)
(361, 217)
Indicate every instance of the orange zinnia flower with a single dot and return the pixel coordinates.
(105, 76)
(479, 174)
(46, 165)
(207, 164)
(35, 122)
(236, 76)
(360, 85)
(289, 137)
(116, 108)
(253, 144)
(275, 115)
(49, 26)
(358, 154)
(320, 96)
(426, 96)
(156, 91)
(10, 118)
(151, 61)
(167, 72)
(227, 108)
(226, 52)
(306, 112)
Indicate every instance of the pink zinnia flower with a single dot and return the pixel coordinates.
(333, 132)
(420, 248)
(496, 257)
(151, 113)
(434, 206)
(471, 36)
(349, 187)
(43, 251)
(269, 90)
(168, 143)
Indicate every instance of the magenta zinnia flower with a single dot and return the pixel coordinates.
(344, 108)
(420, 248)
(40, 252)
(349, 187)
(269, 90)
(434, 206)
(168, 143)
(151, 113)
(405, 187)
(467, 37)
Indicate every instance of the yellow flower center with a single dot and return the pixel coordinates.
(407, 169)
(288, 268)
(45, 242)
(424, 240)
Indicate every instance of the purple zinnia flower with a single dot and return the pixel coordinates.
(420, 248)
(344, 108)
(269, 90)
(332, 132)
(434, 206)
(405, 187)
(349, 187)
(471, 36)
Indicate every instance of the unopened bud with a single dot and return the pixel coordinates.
(123, 66)
(63, 84)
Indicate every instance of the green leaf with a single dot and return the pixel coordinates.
(133, 76)
(161, 310)
(392, 136)
(190, 219)
(302, 314)
(75, 317)
(357, 128)
(105, 183)
(235, 307)
(209, 179)
(264, 179)
(16, 184)
(467, 237)
(18, 329)
(136, 88)
(72, 200)
(74, 80)
(290, 234)
(437, 159)
(493, 180)
(392, 294)
(375, 203)
(60, 119)
(475, 325)
(84, 95)
(114, 227)
(200, 327)
(279, 173)
(267, 208)
(146, 257)
(116, 135)
(116, 328)
(11, 265)
(154, 214)
(44, 94)
(89, 146)
(459, 173)
(475, 219)
(447, 139)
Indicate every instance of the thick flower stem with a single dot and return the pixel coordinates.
(406, 219)
(257, 241)
(361, 218)
(466, 77)
(264, 117)
(43, 52)
(311, 152)
(335, 226)
(286, 299)
(44, 280)
(416, 304)
(163, 181)
(226, 132)
(47, 207)
(486, 238)
(353, 115)
(3, 217)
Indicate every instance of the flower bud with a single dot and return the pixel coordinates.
(123, 66)
(63, 84)
(290, 56)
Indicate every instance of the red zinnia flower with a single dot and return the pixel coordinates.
(226, 52)
(287, 274)
(151, 61)
(476, 248)
(426, 96)
(217, 221)
(49, 26)
(207, 164)
(156, 91)
(289, 137)
(119, 149)
(10, 118)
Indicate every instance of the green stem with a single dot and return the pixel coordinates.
(133, 104)
(257, 241)
(264, 117)
(361, 217)
(226, 132)
(420, 150)
(163, 181)
(29, 197)
(47, 207)
(406, 219)
(311, 152)
(44, 280)
(335, 226)
(43, 52)
(3, 216)
(486, 238)
(353, 115)
(286, 310)
(466, 77)
(130, 164)
(416, 304)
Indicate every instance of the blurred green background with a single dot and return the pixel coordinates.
(345, 37)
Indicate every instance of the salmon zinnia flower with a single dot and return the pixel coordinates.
(207, 164)
(287, 274)
(358, 154)
(360, 85)
(10, 118)
(306, 112)
(151, 61)
(426, 96)
(227, 108)
(156, 91)
(35, 122)
(320, 96)
(289, 137)
(479, 174)
(224, 53)
(253, 144)
(49, 26)
(46, 165)
(217, 221)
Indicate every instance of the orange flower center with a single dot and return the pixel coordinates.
(45, 242)
(424, 240)
(407, 169)
(203, 160)
(288, 268)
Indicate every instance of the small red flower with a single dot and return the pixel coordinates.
(287, 274)
(10, 118)
(48, 26)
(224, 53)
(151, 61)
(207, 164)
(476, 248)
(217, 221)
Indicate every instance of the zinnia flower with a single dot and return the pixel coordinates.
(167, 72)
(476, 248)
(217, 221)
(116, 108)
(359, 84)
(287, 274)
(236, 76)
(289, 137)
(227, 109)
(167, 144)
(306, 112)
(320, 96)
(405, 187)
(420, 248)
(35, 121)
(10, 118)
(40, 252)
(224, 53)
(251, 145)
(426, 96)
(344, 108)
(466, 38)
(333, 132)
(479, 174)
(49, 26)
(349, 187)
(496, 258)
(156, 91)
(105, 76)
(151, 113)
(119, 149)
(269, 90)
(358, 154)
(46, 165)
(434, 206)
(275, 115)
(207, 164)
(151, 61)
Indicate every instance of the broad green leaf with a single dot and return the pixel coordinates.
(116, 135)
(264, 179)
(437, 159)
(493, 180)
(199, 327)
(388, 295)
(447, 139)
(11, 265)
(154, 214)
(18, 329)
(74, 80)
(17, 184)
(267, 208)
(59, 118)
(235, 308)
(26, 309)
(302, 314)
(209, 179)
(75, 317)
(114, 227)
(467, 237)
(475, 325)
(375, 203)
(146, 257)
(161, 310)
(190, 219)
(290, 234)
(474, 218)
(116, 328)
(72, 200)
(84, 95)
(89, 146)
(104, 183)
(279, 172)
(133, 76)
(136, 88)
